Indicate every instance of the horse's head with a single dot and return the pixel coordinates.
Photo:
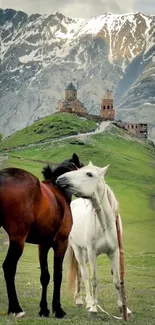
(67, 165)
(82, 182)
(72, 163)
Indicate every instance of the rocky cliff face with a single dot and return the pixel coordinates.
(41, 54)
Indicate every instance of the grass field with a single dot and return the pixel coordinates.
(132, 177)
(47, 128)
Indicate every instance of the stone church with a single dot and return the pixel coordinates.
(71, 104)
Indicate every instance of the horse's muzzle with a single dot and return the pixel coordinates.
(62, 182)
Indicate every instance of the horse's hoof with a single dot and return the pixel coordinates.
(44, 313)
(92, 314)
(93, 309)
(79, 305)
(60, 313)
(19, 315)
(129, 312)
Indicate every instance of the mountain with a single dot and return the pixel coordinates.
(41, 54)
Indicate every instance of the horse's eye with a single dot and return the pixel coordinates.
(89, 174)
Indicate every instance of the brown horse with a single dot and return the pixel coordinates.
(38, 213)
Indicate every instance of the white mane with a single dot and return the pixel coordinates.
(112, 200)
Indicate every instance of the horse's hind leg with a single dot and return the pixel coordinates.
(80, 256)
(77, 294)
(9, 266)
(44, 279)
(115, 267)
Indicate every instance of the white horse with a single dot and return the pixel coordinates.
(93, 231)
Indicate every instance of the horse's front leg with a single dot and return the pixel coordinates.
(44, 279)
(9, 266)
(94, 279)
(59, 252)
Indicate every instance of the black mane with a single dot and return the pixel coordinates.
(51, 173)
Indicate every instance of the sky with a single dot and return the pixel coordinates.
(81, 8)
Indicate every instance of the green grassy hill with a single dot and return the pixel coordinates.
(132, 177)
(50, 127)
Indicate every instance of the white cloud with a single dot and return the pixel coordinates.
(80, 8)
(146, 6)
(90, 8)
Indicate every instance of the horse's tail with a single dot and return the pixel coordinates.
(73, 268)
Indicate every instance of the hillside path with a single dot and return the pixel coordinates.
(101, 127)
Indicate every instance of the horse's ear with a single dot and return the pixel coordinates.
(75, 159)
(90, 164)
(104, 170)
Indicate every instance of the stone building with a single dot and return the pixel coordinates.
(71, 104)
(140, 130)
(107, 111)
